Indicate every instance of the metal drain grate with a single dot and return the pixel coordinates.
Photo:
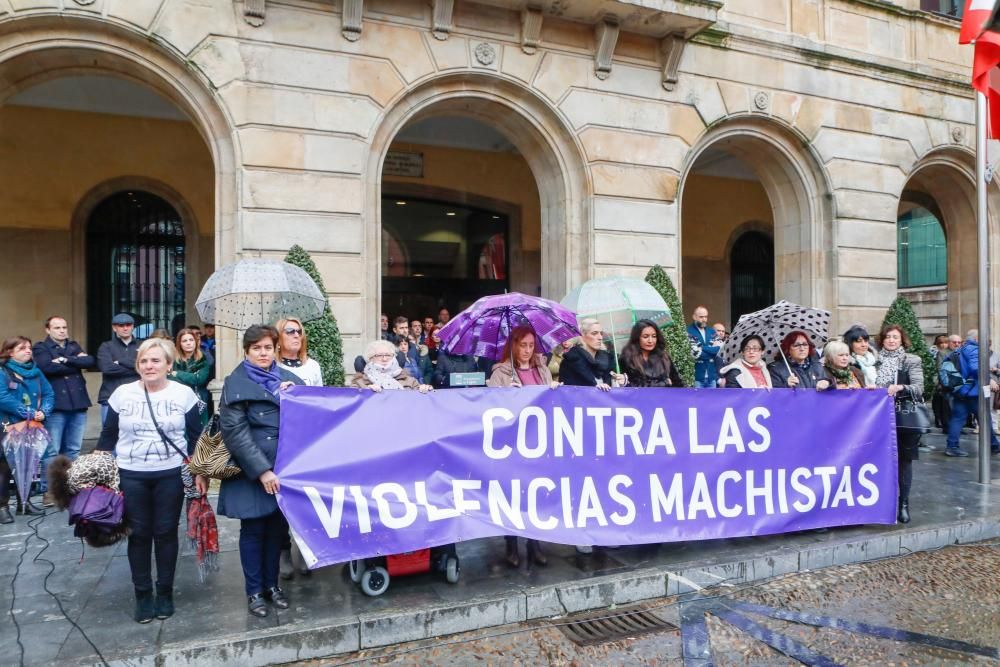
(607, 626)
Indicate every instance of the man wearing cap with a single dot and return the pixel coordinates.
(116, 359)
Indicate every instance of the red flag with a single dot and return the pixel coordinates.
(986, 77)
(977, 13)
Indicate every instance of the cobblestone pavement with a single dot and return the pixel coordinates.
(899, 611)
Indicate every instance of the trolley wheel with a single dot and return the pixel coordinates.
(355, 568)
(452, 570)
(375, 581)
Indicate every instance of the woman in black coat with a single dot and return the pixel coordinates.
(645, 360)
(589, 364)
(800, 367)
(249, 422)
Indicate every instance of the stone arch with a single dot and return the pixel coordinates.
(947, 177)
(40, 47)
(798, 189)
(542, 137)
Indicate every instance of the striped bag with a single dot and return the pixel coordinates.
(211, 458)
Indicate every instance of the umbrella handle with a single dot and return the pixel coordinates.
(614, 345)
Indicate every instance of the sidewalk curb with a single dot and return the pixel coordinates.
(291, 644)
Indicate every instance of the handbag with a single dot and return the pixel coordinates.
(912, 415)
(211, 457)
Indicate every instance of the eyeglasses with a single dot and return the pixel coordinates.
(799, 345)
(385, 355)
(753, 348)
(293, 332)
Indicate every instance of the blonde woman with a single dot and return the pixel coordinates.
(293, 352)
(150, 424)
(382, 370)
(840, 374)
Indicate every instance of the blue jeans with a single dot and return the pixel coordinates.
(961, 408)
(705, 384)
(104, 413)
(66, 428)
(261, 541)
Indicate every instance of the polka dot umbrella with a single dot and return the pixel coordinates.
(258, 291)
(773, 324)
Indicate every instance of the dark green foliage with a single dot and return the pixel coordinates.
(324, 336)
(901, 313)
(675, 333)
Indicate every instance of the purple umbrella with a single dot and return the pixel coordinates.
(23, 445)
(482, 329)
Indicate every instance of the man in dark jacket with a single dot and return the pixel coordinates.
(63, 361)
(116, 359)
(454, 363)
(965, 399)
(705, 373)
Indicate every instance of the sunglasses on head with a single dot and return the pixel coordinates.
(292, 331)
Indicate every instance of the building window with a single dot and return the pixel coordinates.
(751, 277)
(922, 250)
(135, 261)
(944, 7)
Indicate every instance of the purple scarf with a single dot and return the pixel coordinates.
(269, 379)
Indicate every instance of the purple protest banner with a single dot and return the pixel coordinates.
(365, 474)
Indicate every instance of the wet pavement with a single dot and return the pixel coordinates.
(329, 615)
(933, 608)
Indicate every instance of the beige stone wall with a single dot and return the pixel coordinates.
(843, 99)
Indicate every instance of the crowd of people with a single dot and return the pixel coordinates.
(155, 404)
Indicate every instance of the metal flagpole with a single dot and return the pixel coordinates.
(983, 176)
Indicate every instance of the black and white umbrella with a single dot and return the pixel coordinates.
(774, 323)
(259, 291)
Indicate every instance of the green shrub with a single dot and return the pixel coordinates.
(901, 313)
(674, 333)
(325, 345)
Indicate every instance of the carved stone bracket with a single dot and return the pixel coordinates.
(253, 12)
(606, 39)
(442, 18)
(531, 29)
(351, 24)
(672, 46)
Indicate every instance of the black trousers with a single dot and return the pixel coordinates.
(942, 410)
(5, 476)
(153, 502)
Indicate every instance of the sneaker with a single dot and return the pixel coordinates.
(994, 451)
(955, 451)
(586, 550)
(926, 448)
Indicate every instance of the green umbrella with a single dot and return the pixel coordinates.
(618, 303)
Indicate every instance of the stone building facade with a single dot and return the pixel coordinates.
(757, 149)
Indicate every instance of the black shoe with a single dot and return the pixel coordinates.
(277, 597)
(29, 509)
(993, 452)
(163, 608)
(535, 554)
(904, 512)
(257, 605)
(144, 610)
(955, 451)
(5, 515)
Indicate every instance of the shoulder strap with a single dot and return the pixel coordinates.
(163, 436)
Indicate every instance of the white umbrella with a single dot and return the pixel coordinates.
(258, 291)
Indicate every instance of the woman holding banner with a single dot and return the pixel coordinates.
(382, 370)
(589, 364)
(749, 371)
(248, 416)
(522, 367)
(840, 374)
(645, 360)
(797, 365)
(900, 373)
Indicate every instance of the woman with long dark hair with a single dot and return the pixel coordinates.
(191, 368)
(644, 359)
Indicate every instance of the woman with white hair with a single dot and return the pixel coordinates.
(589, 364)
(840, 374)
(151, 425)
(382, 370)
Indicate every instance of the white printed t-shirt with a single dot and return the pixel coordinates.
(139, 446)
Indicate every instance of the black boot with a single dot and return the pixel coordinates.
(28, 509)
(535, 554)
(144, 610)
(5, 515)
(512, 557)
(904, 511)
(164, 605)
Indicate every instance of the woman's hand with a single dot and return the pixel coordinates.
(424, 388)
(375, 388)
(201, 483)
(39, 416)
(554, 384)
(620, 379)
(285, 385)
(270, 482)
(793, 381)
(822, 385)
(603, 387)
(894, 389)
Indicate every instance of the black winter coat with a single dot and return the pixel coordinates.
(808, 373)
(579, 369)
(66, 378)
(116, 361)
(248, 416)
(453, 363)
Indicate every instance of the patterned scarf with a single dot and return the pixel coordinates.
(384, 375)
(889, 366)
(202, 530)
(269, 379)
(868, 365)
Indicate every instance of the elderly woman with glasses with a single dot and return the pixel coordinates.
(749, 371)
(382, 370)
(293, 352)
(589, 364)
(800, 367)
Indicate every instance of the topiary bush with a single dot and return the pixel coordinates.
(325, 345)
(674, 333)
(901, 313)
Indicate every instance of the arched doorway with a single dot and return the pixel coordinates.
(751, 274)
(135, 259)
(538, 225)
(755, 169)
